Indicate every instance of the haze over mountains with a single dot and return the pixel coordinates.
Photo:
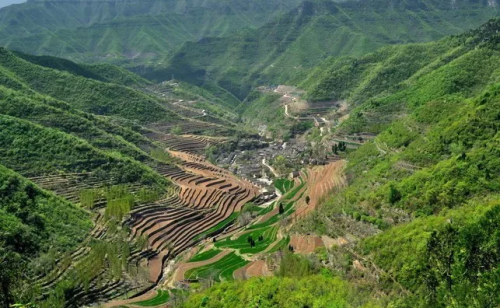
(254, 42)
(142, 32)
(202, 153)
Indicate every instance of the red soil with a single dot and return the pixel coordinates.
(305, 244)
(253, 269)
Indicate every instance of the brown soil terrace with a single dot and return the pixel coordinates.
(305, 244)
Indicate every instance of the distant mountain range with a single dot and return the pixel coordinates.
(300, 39)
(126, 32)
(233, 43)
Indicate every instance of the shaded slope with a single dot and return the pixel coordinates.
(140, 32)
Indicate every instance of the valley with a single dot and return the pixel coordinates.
(234, 154)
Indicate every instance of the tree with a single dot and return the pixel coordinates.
(394, 194)
(280, 164)
(10, 271)
(281, 209)
(244, 219)
(335, 149)
(176, 130)
(308, 199)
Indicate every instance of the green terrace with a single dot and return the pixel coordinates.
(206, 255)
(283, 185)
(220, 226)
(262, 238)
(220, 270)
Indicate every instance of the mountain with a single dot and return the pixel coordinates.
(370, 178)
(80, 145)
(33, 222)
(131, 32)
(430, 176)
(416, 226)
(308, 34)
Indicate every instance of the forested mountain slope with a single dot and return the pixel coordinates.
(417, 226)
(33, 222)
(126, 32)
(313, 31)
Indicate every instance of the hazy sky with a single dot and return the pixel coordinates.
(9, 2)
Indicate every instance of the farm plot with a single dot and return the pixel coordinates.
(321, 181)
(252, 242)
(283, 185)
(276, 216)
(206, 255)
(220, 270)
(161, 297)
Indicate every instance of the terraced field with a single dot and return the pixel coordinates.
(161, 298)
(206, 255)
(320, 181)
(203, 200)
(193, 126)
(241, 252)
(186, 143)
(220, 270)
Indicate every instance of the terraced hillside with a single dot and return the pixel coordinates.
(241, 251)
(103, 151)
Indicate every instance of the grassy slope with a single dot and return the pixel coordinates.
(33, 222)
(100, 72)
(86, 94)
(440, 151)
(37, 216)
(79, 141)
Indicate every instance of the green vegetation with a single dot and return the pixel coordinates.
(85, 94)
(261, 239)
(301, 282)
(292, 193)
(132, 34)
(283, 185)
(294, 42)
(287, 210)
(266, 210)
(47, 132)
(220, 270)
(422, 194)
(418, 222)
(220, 226)
(281, 245)
(311, 291)
(33, 222)
(100, 72)
(161, 298)
(206, 255)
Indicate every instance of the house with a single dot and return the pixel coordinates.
(294, 175)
